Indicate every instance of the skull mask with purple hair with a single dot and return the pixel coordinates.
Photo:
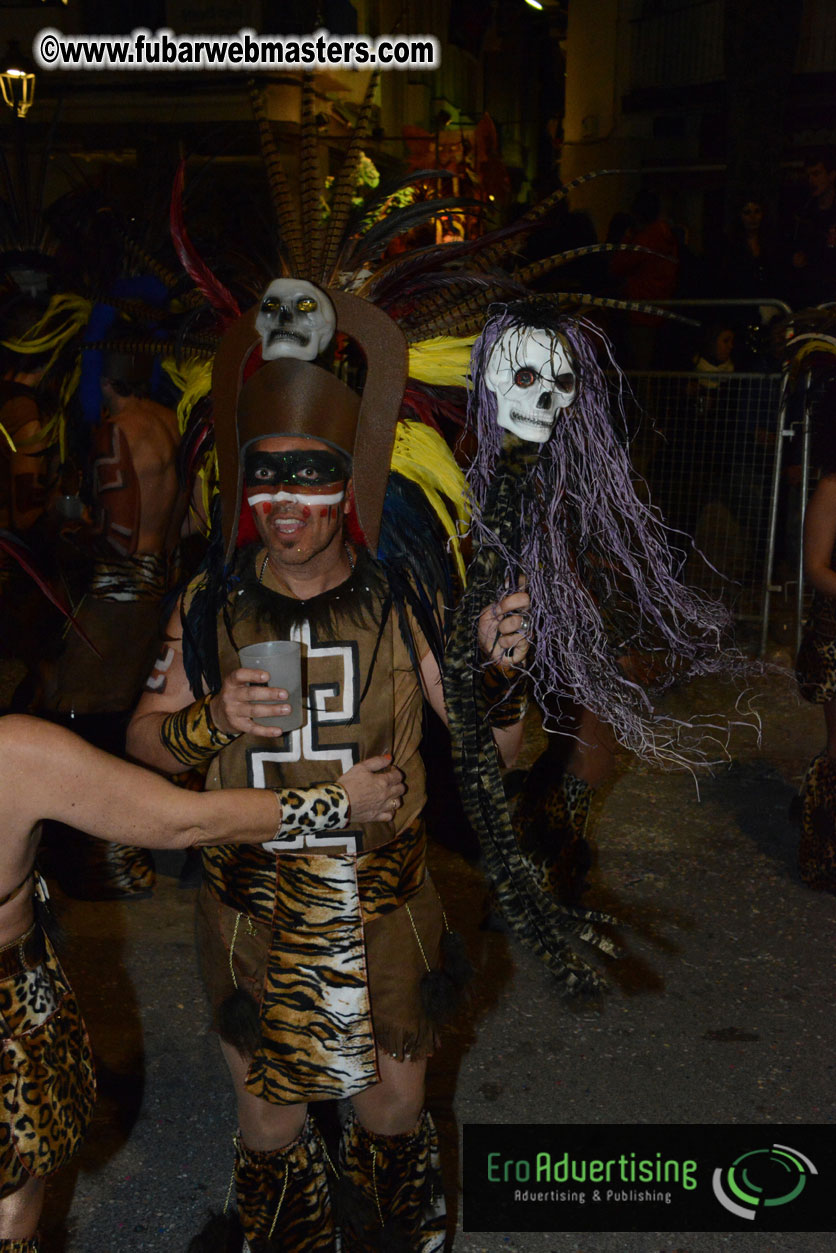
(529, 374)
(603, 576)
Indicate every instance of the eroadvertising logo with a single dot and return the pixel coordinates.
(614, 1177)
(772, 1176)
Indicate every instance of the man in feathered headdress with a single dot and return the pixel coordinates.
(325, 952)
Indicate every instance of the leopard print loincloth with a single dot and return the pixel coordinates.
(47, 1080)
(815, 668)
(817, 845)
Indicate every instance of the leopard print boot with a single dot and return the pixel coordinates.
(817, 845)
(20, 1246)
(390, 1193)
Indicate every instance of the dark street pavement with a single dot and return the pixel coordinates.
(721, 1012)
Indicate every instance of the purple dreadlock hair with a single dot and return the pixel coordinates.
(603, 576)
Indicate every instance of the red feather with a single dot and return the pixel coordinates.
(247, 532)
(14, 549)
(428, 405)
(353, 529)
(219, 297)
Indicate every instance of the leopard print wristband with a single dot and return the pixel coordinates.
(191, 735)
(506, 696)
(325, 807)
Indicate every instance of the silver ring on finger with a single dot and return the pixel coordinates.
(525, 623)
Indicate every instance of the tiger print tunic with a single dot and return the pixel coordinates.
(324, 929)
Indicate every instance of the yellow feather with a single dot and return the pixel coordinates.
(56, 427)
(65, 317)
(192, 377)
(443, 361)
(421, 455)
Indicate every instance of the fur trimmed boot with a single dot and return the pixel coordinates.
(390, 1195)
(284, 1202)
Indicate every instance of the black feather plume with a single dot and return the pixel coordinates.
(222, 1233)
(237, 1022)
(413, 552)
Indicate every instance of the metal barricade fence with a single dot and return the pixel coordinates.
(710, 447)
(788, 510)
(706, 446)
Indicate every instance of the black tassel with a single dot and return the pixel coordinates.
(356, 1215)
(394, 1237)
(237, 1022)
(443, 991)
(353, 1210)
(440, 998)
(455, 959)
(221, 1234)
(263, 1244)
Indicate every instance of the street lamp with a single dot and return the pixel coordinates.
(17, 80)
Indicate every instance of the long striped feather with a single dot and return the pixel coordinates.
(470, 315)
(536, 269)
(371, 207)
(284, 208)
(366, 249)
(344, 186)
(309, 179)
(537, 211)
(150, 265)
(437, 293)
(398, 272)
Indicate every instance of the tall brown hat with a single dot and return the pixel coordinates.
(290, 397)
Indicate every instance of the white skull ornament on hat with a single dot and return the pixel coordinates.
(295, 319)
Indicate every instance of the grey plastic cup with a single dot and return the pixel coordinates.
(282, 659)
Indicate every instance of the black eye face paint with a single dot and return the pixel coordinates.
(300, 469)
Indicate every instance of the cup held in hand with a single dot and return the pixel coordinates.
(282, 659)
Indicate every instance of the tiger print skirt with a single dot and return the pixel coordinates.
(47, 1079)
(312, 1050)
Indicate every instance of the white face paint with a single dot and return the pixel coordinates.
(529, 373)
(300, 498)
(296, 319)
